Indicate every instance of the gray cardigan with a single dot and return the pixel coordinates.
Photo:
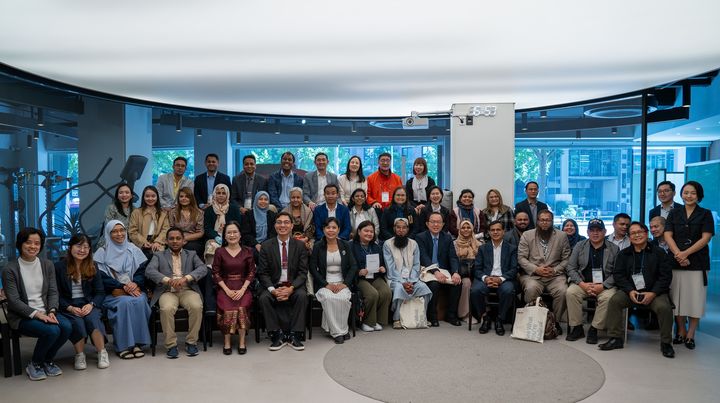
(579, 260)
(18, 307)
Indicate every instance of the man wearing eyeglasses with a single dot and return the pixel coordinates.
(666, 195)
(642, 275)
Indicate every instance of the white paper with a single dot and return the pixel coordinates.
(372, 264)
(597, 276)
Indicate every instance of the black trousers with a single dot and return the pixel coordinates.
(286, 315)
(453, 300)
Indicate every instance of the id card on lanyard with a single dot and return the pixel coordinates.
(638, 278)
(597, 275)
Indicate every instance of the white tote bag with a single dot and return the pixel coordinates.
(412, 313)
(530, 323)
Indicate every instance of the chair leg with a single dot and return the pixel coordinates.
(153, 332)
(16, 354)
(203, 331)
(256, 314)
(470, 314)
(6, 351)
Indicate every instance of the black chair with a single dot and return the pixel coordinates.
(182, 318)
(315, 306)
(10, 339)
(493, 301)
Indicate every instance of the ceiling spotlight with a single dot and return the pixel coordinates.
(198, 132)
(29, 141)
(543, 114)
(36, 135)
(434, 138)
(578, 134)
(303, 121)
(524, 121)
(367, 139)
(329, 121)
(40, 117)
(263, 120)
(238, 137)
(178, 123)
(447, 130)
(686, 95)
(614, 130)
(353, 127)
(277, 132)
(306, 139)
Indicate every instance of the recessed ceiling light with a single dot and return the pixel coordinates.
(697, 128)
(277, 132)
(303, 121)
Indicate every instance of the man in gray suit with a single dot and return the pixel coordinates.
(315, 182)
(176, 273)
(168, 185)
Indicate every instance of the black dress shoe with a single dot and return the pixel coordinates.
(499, 328)
(690, 343)
(484, 326)
(667, 350)
(592, 337)
(434, 323)
(575, 333)
(346, 336)
(454, 322)
(227, 351)
(339, 339)
(559, 328)
(678, 339)
(612, 344)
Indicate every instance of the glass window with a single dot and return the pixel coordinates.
(163, 162)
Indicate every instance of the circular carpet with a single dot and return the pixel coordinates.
(453, 364)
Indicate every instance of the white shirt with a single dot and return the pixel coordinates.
(280, 250)
(322, 182)
(331, 213)
(497, 262)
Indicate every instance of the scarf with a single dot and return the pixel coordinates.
(466, 247)
(305, 215)
(220, 209)
(575, 238)
(418, 186)
(122, 258)
(260, 215)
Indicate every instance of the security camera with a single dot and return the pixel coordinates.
(414, 122)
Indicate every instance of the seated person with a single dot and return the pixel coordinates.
(495, 270)
(333, 268)
(522, 220)
(642, 275)
(187, 216)
(360, 211)
(434, 199)
(176, 272)
(373, 286)
(122, 266)
(436, 248)
(220, 210)
(466, 249)
(81, 292)
(148, 224)
(465, 210)
(32, 296)
(302, 217)
(331, 208)
(398, 208)
(402, 259)
(543, 254)
(260, 220)
(589, 271)
(282, 271)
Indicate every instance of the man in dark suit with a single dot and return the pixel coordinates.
(176, 272)
(496, 268)
(247, 184)
(666, 195)
(436, 247)
(206, 181)
(280, 183)
(531, 205)
(522, 220)
(282, 270)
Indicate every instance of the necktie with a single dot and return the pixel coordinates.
(435, 250)
(284, 260)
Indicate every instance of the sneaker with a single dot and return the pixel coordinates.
(51, 369)
(191, 350)
(80, 362)
(366, 328)
(378, 327)
(35, 372)
(172, 352)
(103, 359)
(296, 344)
(397, 325)
(276, 342)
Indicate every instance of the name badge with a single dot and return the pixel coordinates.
(385, 197)
(597, 275)
(283, 275)
(405, 273)
(248, 204)
(639, 281)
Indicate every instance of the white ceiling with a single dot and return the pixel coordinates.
(369, 58)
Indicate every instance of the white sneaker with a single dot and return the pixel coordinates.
(366, 328)
(103, 359)
(80, 363)
(378, 327)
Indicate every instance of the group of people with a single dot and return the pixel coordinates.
(278, 242)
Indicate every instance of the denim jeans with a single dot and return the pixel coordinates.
(50, 337)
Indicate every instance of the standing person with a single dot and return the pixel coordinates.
(434, 199)
(398, 209)
(466, 210)
(570, 227)
(221, 210)
(302, 218)
(122, 266)
(81, 292)
(666, 195)
(246, 184)
(176, 273)
(688, 231)
(149, 223)
(315, 182)
(620, 237)
(120, 208)
(466, 249)
(360, 211)
(418, 187)
(333, 268)
(260, 220)
(206, 181)
(32, 295)
(233, 272)
(531, 205)
(351, 180)
(522, 221)
(280, 183)
(497, 211)
(331, 208)
(282, 271)
(382, 183)
(189, 218)
(373, 286)
(657, 229)
(169, 184)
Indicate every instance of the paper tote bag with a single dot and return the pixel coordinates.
(412, 313)
(530, 323)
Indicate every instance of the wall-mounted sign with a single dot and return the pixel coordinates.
(488, 111)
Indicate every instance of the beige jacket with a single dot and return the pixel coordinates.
(140, 226)
(530, 252)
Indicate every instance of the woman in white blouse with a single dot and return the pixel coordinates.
(360, 211)
(352, 179)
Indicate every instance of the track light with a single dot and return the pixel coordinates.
(303, 121)
(329, 121)
(306, 139)
(238, 137)
(686, 95)
(523, 126)
(29, 141)
(614, 130)
(40, 117)
(543, 114)
(178, 123)
(198, 132)
(353, 127)
(36, 135)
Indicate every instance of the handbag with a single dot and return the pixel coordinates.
(530, 322)
(427, 276)
(118, 292)
(412, 314)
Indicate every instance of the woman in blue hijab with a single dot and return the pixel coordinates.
(570, 227)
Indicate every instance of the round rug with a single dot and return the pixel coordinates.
(453, 364)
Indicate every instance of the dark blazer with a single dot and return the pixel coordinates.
(341, 213)
(274, 187)
(447, 258)
(93, 290)
(387, 221)
(200, 189)
(238, 187)
(686, 231)
(18, 307)
(525, 206)
(484, 261)
(361, 256)
(111, 284)
(251, 234)
(657, 271)
(425, 215)
(655, 211)
(318, 264)
(160, 266)
(411, 193)
(269, 269)
(246, 231)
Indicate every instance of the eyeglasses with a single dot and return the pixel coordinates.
(81, 247)
(638, 233)
(663, 191)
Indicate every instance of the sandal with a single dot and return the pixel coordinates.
(137, 352)
(126, 355)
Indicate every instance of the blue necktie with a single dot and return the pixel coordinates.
(435, 250)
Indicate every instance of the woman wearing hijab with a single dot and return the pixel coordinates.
(399, 208)
(221, 210)
(302, 218)
(466, 247)
(261, 219)
(570, 227)
(122, 267)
